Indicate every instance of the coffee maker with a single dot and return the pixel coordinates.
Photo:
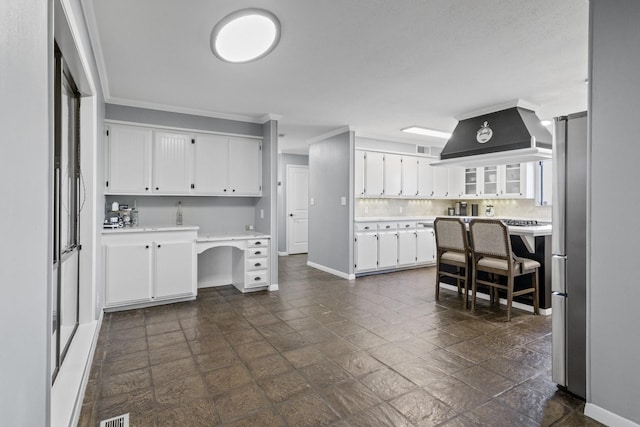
(463, 208)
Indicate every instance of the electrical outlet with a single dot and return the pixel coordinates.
(248, 227)
(366, 209)
(401, 209)
(261, 213)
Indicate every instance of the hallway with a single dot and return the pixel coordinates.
(377, 351)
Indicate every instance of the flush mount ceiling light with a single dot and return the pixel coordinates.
(245, 35)
(545, 122)
(428, 132)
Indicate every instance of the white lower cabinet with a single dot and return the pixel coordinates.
(251, 265)
(145, 267)
(425, 245)
(366, 251)
(385, 246)
(407, 246)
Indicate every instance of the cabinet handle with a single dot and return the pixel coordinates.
(257, 278)
(257, 264)
(225, 190)
(258, 252)
(366, 228)
(159, 245)
(388, 226)
(146, 188)
(146, 247)
(234, 190)
(258, 243)
(193, 186)
(157, 188)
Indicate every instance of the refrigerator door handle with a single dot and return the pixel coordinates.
(559, 274)
(558, 340)
(559, 169)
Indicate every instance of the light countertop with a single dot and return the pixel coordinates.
(148, 228)
(231, 235)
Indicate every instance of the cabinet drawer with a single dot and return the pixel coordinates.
(256, 264)
(366, 226)
(257, 252)
(256, 278)
(387, 226)
(258, 243)
(406, 225)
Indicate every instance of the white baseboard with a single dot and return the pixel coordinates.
(518, 305)
(607, 417)
(68, 391)
(331, 271)
(273, 287)
(202, 285)
(283, 253)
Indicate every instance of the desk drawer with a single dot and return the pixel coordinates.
(258, 243)
(256, 278)
(257, 252)
(256, 264)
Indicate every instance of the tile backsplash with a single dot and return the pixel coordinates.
(512, 208)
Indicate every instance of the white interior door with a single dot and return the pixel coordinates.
(297, 209)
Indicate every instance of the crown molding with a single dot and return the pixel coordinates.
(329, 134)
(498, 107)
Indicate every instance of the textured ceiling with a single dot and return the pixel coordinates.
(375, 65)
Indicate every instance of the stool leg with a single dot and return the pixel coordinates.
(474, 285)
(509, 297)
(438, 280)
(536, 299)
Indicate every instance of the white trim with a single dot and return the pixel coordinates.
(406, 140)
(183, 110)
(270, 116)
(402, 153)
(68, 391)
(96, 44)
(518, 305)
(522, 155)
(329, 135)
(179, 129)
(331, 271)
(498, 107)
(80, 49)
(281, 253)
(607, 417)
(273, 287)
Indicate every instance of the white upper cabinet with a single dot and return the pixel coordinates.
(245, 167)
(409, 176)
(128, 162)
(358, 179)
(211, 165)
(517, 180)
(373, 174)
(440, 181)
(472, 182)
(456, 183)
(141, 160)
(544, 182)
(425, 177)
(172, 156)
(392, 175)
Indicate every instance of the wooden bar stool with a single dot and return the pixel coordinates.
(491, 252)
(452, 249)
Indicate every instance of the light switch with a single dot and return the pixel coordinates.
(261, 213)
(312, 201)
(343, 201)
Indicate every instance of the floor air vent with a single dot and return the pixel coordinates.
(119, 421)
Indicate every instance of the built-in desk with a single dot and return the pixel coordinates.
(250, 257)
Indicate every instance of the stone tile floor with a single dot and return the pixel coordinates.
(322, 351)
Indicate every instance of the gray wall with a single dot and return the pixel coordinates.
(266, 214)
(614, 293)
(25, 247)
(187, 121)
(284, 160)
(211, 214)
(330, 223)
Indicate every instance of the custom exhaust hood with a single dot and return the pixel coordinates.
(512, 133)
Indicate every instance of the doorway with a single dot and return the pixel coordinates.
(297, 209)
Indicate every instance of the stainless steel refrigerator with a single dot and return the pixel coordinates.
(569, 248)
